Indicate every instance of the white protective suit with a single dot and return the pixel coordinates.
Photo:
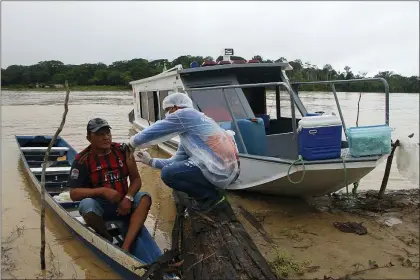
(202, 141)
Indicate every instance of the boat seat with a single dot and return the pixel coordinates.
(59, 163)
(43, 149)
(253, 134)
(60, 185)
(40, 156)
(51, 170)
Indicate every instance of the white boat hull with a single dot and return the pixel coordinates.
(269, 176)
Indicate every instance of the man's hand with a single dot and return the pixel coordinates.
(111, 195)
(144, 157)
(125, 207)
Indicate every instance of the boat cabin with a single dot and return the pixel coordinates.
(257, 101)
(263, 114)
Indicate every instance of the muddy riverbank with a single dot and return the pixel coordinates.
(306, 244)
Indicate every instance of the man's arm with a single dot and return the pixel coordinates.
(135, 180)
(180, 154)
(160, 131)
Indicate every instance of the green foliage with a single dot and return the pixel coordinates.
(120, 73)
(284, 265)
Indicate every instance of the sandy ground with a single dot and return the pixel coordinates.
(306, 245)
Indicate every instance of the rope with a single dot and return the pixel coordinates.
(304, 171)
(290, 167)
(300, 158)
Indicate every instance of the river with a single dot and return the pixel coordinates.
(29, 113)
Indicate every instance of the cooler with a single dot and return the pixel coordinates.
(369, 140)
(320, 137)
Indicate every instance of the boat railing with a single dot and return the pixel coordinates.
(241, 140)
(334, 82)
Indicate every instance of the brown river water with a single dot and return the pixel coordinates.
(31, 113)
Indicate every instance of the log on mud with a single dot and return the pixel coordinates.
(215, 245)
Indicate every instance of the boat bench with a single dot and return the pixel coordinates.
(43, 149)
(51, 170)
(55, 163)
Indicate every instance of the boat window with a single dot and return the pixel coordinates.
(285, 108)
(213, 104)
(156, 106)
(152, 106)
(138, 102)
(144, 108)
(270, 101)
(162, 95)
(256, 99)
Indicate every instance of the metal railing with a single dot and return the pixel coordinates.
(293, 99)
(241, 140)
(334, 82)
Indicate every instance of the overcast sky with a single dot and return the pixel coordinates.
(371, 37)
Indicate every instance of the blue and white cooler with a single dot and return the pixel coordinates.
(320, 137)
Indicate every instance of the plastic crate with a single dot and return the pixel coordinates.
(369, 140)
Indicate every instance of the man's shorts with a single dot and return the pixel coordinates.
(105, 209)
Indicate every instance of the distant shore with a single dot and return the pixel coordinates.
(72, 88)
(117, 88)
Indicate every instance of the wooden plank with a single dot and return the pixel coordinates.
(215, 245)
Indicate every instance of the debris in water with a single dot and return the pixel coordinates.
(351, 227)
(392, 222)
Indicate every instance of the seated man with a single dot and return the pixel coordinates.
(98, 179)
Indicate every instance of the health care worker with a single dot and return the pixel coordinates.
(207, 157)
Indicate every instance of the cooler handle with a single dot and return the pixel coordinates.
(312, 131)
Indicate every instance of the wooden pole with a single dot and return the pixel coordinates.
(44, 166)
(356, 184)
(388, 169)
(358, 110)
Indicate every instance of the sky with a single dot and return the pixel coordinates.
(367, 36)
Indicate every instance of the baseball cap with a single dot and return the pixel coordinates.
(95, 124)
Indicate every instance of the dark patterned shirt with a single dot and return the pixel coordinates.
(93, 171)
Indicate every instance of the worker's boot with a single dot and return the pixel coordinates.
(207, 204)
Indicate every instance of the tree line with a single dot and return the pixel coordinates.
(120, 73)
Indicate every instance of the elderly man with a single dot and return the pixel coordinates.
(98, 179)
(206, 160)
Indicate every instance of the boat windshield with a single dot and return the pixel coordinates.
(213, 104)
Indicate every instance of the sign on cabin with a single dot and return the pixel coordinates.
(228, 51)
